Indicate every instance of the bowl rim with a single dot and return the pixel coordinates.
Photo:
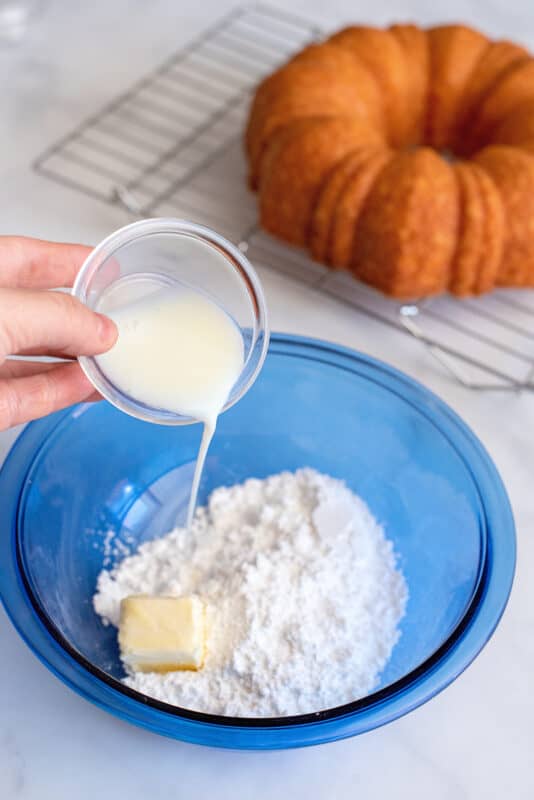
(186, 229)
(427, 679)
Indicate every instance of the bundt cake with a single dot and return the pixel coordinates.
(403, 155)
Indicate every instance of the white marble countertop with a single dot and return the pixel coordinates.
(473, 741)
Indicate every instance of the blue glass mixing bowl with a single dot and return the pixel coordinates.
(81, 487)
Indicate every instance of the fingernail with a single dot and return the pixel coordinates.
(108, 329)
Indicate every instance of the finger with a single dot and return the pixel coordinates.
(35, 264)
(51, 322)
(96, 397)
(44, 351)
(34, 396)
(16, 368)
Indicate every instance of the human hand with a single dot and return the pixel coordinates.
(36, 322)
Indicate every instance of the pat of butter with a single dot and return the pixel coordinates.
(162, 634)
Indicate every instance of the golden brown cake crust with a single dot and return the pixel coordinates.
(465, 263)
(407, 230)
(517, 129)
(512, 91)
(296, 163)
(414, 42)
(405, 155)
(512, 171)
(480, 232)
(494, 232)
(454, 52)
(384, 57)
(323, 213)
(321, 80)
(349, 206)
(496, 60)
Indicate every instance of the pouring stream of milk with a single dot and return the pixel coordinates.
(177, 351)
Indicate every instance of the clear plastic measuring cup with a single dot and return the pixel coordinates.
(151, 254)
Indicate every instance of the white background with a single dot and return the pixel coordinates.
(473, 741)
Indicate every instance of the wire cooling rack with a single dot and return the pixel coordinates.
(172, 146)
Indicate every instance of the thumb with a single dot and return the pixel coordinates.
(51, 322)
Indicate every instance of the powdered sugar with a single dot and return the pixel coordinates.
(304, 597)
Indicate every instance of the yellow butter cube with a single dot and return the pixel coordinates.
(162, 634)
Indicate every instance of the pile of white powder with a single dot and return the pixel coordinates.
(304, 597)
